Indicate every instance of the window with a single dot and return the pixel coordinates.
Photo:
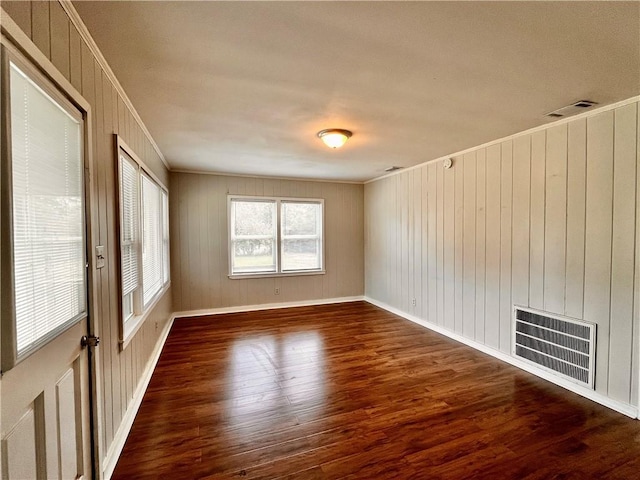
(129, 231)
(144, 239)
(272, 236)
(45, 227)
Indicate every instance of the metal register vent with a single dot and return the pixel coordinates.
(566, 347)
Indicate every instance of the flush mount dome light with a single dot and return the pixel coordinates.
(334, 137)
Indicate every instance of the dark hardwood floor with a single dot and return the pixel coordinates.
(351, 391)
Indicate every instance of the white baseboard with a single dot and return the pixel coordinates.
(122, 433)
(265, 306)
(621, 407)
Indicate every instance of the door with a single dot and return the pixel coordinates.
(44, 387)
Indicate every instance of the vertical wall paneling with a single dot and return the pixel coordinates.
(210, 249)
(537, 220)
(555, 219)
(449, 247)
(546, 219)
(458, 243)
(440, 242)
(410, 258)
(111, 244)
(176, 216)
(418, 262)
(60, 39)
(422, 238)
(432, 252)
(576, 216)
(403, 238)
(506, 199)
(481, 200)
(40, 26)
(622, 252)
(397, 284)
(492, 266)
(469, 247)
(20, 12)
(392, 242)
(597, 281)
(75, 57)
(198, 224)
(520, 225)
(193, 245)
(102, 171)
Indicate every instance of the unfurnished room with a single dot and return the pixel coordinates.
(319, 240)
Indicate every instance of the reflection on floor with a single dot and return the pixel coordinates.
(351, 391)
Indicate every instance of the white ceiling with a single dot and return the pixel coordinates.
(243, 87)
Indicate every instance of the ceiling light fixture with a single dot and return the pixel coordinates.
(334, 137)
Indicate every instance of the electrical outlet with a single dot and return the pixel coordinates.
(277, 291)
(413, 302)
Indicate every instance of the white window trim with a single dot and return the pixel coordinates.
(279, 272)
(130, 326)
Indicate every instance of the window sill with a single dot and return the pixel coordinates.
(132, 325)
(240, 276)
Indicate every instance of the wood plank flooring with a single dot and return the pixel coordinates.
(350, 391)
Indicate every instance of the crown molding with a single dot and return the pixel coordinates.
(590, 113)
(76, 20)
(266, 177)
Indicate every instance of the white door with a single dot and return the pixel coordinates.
(45, 415)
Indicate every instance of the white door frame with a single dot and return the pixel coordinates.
(12, 37)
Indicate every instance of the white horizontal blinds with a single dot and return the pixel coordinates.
(130, 227)
(152, 235)
(48, 218)
(301, 235)
(253, 236)
(165, 237)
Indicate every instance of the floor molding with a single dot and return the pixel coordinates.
(122, 433)
(120, 437)
(265, 306)
(625, 409)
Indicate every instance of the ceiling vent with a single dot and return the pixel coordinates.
(572, 109)
(392, 169)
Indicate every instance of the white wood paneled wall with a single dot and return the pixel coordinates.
(545, 220)
(199, 258)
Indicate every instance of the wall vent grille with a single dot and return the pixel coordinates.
(563, 346)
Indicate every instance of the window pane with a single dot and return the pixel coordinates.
(300, 218)
(48, 212)
(300, 254)
(253, 227)
(254, 218)
(129, 206)
(301, 236)
(151, 239)
(127, 306)
(257, 255)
